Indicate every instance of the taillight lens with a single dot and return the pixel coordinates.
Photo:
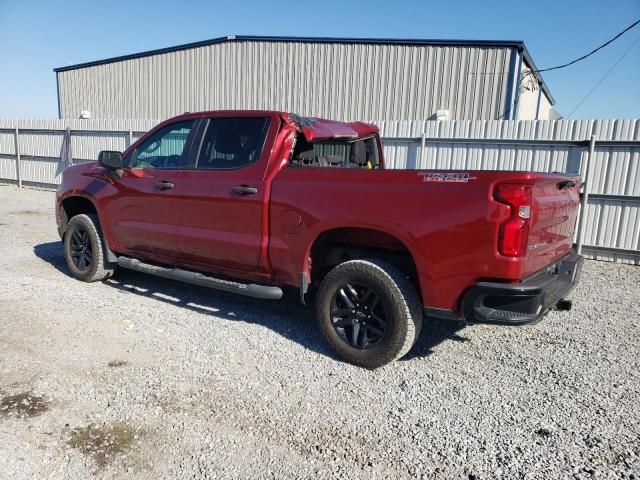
(514, 232)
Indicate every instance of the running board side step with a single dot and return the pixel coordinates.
(196, 278)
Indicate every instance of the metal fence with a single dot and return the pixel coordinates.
(35, 152)
(605, 152)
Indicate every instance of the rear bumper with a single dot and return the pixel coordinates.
(525, 302)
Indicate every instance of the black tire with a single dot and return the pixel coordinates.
(83, 249)
(373, 285)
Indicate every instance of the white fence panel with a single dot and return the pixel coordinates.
(8, 168)
(34, 169)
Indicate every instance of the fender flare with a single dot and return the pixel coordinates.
(109, 254)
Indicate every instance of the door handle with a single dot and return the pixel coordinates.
(164, 185)
(244, 190)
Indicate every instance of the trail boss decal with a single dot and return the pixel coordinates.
(455, 177)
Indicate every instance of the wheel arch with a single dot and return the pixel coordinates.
(339, 243)
(76, 204)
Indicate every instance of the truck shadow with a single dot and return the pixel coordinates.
(434, 332)
(286, 317)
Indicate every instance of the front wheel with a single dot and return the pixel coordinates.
(368, 312)
(83, 249)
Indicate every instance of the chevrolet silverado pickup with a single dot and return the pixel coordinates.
(252, 202)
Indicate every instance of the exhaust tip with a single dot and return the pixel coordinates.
(563, 305)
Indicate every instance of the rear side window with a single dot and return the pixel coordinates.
(230, 143)
(166, 148)
(361, 153)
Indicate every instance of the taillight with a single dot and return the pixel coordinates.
(514, 232)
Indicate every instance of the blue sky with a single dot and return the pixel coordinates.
(36, 36)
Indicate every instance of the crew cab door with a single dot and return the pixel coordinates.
(140, 215)
(219, 203)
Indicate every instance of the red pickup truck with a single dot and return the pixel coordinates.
(253, 201)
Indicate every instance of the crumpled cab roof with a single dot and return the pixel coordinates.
(318, 129)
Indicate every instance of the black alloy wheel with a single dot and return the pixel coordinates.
(368, 312)
(81, 249)
(358, 315)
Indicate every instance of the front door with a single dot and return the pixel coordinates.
(219, 201)
(140, 214)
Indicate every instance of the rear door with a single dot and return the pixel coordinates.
(555, 207)
(219, 204)
(140, 214)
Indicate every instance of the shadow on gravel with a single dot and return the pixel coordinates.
(434, 332)
(53, 254)
(285, 317)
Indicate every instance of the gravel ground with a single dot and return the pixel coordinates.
(141, 377)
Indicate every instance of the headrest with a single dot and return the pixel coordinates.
(358, 154)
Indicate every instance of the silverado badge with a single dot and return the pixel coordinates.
(455, 177)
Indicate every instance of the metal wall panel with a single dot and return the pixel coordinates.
(612, 222)
(616, 170)
(8, 168)
(39, 170)
(334, 80)
(43, 138)
(41, 143)
(106, 125)
(7, 145)
(84, 145)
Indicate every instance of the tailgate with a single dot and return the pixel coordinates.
(554, 214)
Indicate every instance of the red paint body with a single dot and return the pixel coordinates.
(450, 228)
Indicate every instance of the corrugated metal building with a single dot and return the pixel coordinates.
(341, 78)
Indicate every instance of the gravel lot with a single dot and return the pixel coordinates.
(141, 377)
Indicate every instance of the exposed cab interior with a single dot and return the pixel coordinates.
(336, 153)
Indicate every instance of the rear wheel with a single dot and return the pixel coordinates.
(83, 249)
(369, 312)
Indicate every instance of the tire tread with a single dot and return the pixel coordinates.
(102, 269)
(403, 292)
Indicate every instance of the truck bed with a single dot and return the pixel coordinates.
(450, 221)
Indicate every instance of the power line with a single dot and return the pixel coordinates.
(557, 67)
(603, 77)
(592, 51)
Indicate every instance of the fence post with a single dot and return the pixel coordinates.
(17, 150)
(423, 141)
(585, 194)
(67, 138)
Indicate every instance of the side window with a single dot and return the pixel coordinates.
(167, 148)
(230, 143)
(361, 153)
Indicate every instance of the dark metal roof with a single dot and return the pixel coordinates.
(517, 44)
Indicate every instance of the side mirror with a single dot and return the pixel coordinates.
(110, 159)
